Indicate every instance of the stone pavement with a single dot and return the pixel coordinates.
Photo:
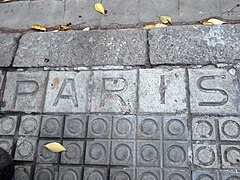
(127, 104)
(129, 13)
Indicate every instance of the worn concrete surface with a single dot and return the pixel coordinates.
(191, 131)
(195, 44)
(23, 14)
(8, 47)
(112, 47)
(127, 104)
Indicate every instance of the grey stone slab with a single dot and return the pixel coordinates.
(45, 171)
(229, 128)
(74, 153)
(176, 174)
(2, 75)
(51, 126)
(175, 127)
(15, 15)
(123, 153)
(151, 10)
(30, 125)
(205, 156)
(230, 10)
(6, 144)
(230, 156)
(205, 175)
(111, 47)
(67, 91)
(97, 152)
(203, 128)
(127, 173)
(82, 13)
(8, 45)
(120, 12)
(213, 90)
(70, 172)
(194, 10)
(95, 173)
(124, 127)
(149, 153)
(75, 126)
(99, 126)
(194, 44)
(44, 155)
(47, 13)
(25, 149)
(226, 175)
(149, 127)
(22, 172)
(149, 173)
(114, 91)
(8, 125)
(162, 90)
(24, 91)
(175, 154)
(2, 83)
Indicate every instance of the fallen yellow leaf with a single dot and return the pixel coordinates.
(6, 0)
(207, 23)
(166, 19)
(159, 25)
(86, 29)
(213, 22)
(55, 147)
(39, 27)
(64, 28)
(149, 26)
(99, 8)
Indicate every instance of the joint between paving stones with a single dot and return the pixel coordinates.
(16, 49)
(218, 140)
(137, 93)
(148, 60)
(64, 9)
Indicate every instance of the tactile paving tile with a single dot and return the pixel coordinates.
(51, 126)
(45, 171)
(97, 152)
(95, 173)
(74, 153)
(131, 147)
(30, 125)
(6, 144)
(8, 125)
(75, 126)
(22, 172)
(70, 172)
(44, 155)
(26, 148)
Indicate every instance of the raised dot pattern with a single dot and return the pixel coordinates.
(146, 141)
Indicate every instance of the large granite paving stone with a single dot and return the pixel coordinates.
(113, 47)
(24, 91)
(195, 44)
(213, 91)
(120, 12)
(162, 90)
(69, 88)
(8, 45)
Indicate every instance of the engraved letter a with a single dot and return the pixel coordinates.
(72, 95)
